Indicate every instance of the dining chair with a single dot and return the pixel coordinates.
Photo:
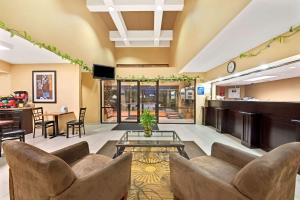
(77, 123)
(12, 131)
(40, 122)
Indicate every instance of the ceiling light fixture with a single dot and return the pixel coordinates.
(156, 39)
(259, 78)
(5, 46)
(264, 66)
(293, 67)
(125, 39)
(236, 74)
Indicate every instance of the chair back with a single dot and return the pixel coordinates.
(34, 173)
(14, 115)
(271, 176)
(82, 114)
(38, 115)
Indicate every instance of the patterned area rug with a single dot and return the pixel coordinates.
(150, 172)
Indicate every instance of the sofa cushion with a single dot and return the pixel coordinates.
(216, 167)
(89, 164)
(271, 176)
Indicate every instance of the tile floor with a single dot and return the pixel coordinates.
(98, 135)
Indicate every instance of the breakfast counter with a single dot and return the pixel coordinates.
(26, 115)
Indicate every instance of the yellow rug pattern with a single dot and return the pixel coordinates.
(150, 174)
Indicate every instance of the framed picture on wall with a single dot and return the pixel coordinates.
(44, 86)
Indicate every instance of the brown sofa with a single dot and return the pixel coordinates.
(70, 173)
(231, 174)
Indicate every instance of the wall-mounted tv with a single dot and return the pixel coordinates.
(103, 72)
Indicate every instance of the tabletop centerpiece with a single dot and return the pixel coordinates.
(148, 121)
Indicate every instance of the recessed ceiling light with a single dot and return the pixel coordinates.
(110, 9)
(156, 39)
(264, 66)
(293, 67)
(236, 74)
(125, 39)
(159, 8)
(259, 78)
(5, 46)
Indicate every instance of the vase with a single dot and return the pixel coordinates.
(147, 132)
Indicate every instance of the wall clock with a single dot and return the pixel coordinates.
(231, 67)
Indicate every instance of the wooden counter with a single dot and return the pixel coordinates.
(26, 115)
(258, 124)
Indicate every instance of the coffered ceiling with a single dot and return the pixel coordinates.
(138, 23)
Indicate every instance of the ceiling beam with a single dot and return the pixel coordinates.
(142, 44)
(158, 17)
(134, 5)
(166, 35)
(118, 20)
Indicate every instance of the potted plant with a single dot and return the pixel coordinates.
(147, 121)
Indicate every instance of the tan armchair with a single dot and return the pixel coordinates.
(70, 173)
(231, 174)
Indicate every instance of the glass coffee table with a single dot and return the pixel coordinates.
(158, 139)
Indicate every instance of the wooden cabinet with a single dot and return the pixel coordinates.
(220, 119)
(204, 115)
(251, 129)
(26, 115)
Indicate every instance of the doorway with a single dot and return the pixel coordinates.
(129, 109)
(124, 101)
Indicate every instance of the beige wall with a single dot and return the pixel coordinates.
(90, 89)
(200, 21)
(4, 67)
(70, 26)
(67, 24)
(67, 83)
(281, 90)
(142, 55)
(5, 78)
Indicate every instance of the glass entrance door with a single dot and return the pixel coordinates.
(129, 101)
(148, 97)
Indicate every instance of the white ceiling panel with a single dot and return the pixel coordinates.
(23, 52)
(260, 21)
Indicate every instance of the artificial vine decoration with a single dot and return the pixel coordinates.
(53, 49)
(160, 78)
(279, 39)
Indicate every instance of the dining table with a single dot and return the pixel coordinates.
(60, 119)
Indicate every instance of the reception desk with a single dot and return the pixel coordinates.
(26, 115)
(260, 124)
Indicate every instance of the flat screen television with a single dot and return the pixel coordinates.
(103, 72)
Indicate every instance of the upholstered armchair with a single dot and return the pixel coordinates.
(70, 173)
(231, 174)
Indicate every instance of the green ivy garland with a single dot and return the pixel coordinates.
(185, 78)
(82, 64)
(279, 39)
(53, 49)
